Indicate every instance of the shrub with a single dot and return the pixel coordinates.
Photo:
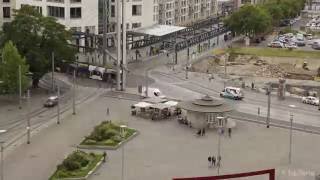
(116, 138)
(110, 133)
(90, 142)
(109, 142)
(62, 174)
(71, 165)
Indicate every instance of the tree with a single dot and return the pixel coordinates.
(9, 73)
(249, 20)
(36, 37)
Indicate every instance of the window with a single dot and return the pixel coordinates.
(6, 1)
(6, 12)
(113, 11)
(136, 25)
(75, 1)
(136, 10)
(75, 12)
(56, 11)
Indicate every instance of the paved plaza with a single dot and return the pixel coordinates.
(165, 149)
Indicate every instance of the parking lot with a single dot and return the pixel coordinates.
(300, 40)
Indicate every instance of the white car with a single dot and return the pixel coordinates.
(291, 46)
(310, 100)
(232, 93)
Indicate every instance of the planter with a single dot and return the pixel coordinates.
(108, 147)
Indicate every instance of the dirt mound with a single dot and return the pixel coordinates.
(271, 71)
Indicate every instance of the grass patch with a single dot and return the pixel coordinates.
(76, 165)
(107, 134)
(274, 52)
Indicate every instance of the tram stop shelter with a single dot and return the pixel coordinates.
(203, 112)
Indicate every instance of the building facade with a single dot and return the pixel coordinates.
(185, 12)
(79, 15)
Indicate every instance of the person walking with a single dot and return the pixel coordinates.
(203, 131)
(209, 162)
(104, 156)
(229, 132)
(213, 160)
(219, 161)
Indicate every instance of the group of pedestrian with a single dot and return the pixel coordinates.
(213, 162)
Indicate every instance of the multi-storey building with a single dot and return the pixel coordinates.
(184, 12)
(79, 15)
(139, 13)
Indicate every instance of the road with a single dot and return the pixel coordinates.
(39, 116)
(173, 84)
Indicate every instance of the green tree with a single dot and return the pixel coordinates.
(9, 74)
(36, 37)
(249, 20)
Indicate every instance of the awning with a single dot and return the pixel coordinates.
(160, 106)
(171, 103)
(142, 105)
(154, 100)
(158, 30)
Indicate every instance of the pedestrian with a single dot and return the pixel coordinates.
(213, 160)
(104, 156)
(199, 132)
(252, 85)
(167, 55)
(229, 132)
(209, 162)
(203, 131)
(219, 161)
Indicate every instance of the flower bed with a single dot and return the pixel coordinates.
(107, 134)
(77, 165)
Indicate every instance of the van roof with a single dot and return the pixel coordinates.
(235, 88)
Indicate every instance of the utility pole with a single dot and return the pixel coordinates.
(147, 83)
(52, 80)
(28, 117)
(269, 104)
(290, 140)
(58, 106)
(104, 32)
(74, 93)
(124, 46)
(187, 65)
(118, 44)
(20, 88)
(2, 161)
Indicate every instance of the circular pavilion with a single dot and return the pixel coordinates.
(204, 111)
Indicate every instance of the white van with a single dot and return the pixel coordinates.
(152, 92)
(232, 93)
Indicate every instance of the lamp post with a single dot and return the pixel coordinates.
(220, 119)
(58, 105)
(122, 133)
(290, 139)
(29, 74)
(2, 160)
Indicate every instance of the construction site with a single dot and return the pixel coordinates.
(300, 75)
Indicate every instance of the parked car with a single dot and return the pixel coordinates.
(316, 45)
(51, 101)
(232, 93)
(310, 100)
(291, 46)
(308, 36)
(276, 44)
(300, 42)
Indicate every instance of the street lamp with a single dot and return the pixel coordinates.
(2, 149)
(290, 139)
(58, 105)
(28, 74)
(220, 119)
(122, 134)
